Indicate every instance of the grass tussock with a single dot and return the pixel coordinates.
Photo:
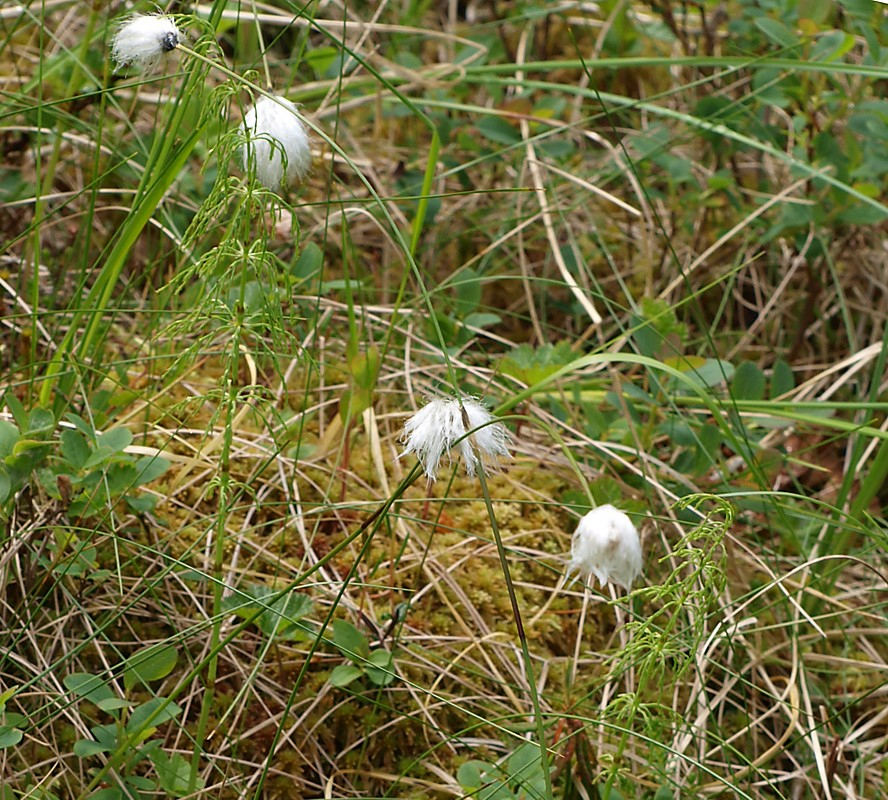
(649, 238)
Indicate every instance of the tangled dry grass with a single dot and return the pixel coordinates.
(752, 661)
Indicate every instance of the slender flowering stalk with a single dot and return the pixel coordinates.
(277, 145)
(143, 39)
(607, 546)
(439, 426)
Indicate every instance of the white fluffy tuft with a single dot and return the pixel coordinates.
(438, 426)
(143, 39)
(607, 546)
(277, 142)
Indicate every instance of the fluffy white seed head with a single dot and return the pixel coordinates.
(607, 546)
(435, 429)
(277, 143)
(143, 39)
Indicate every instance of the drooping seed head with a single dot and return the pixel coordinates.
(143, 39)
(277, 143)
(439, 426)
(606, 545)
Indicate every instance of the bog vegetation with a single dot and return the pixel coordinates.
(643, 243)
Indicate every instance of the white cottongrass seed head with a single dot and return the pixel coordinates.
(607, 546)
(143, 39)
(438, 426)
(277, 143)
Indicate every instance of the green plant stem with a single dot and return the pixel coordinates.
(516, 612)
(44, 185)
(871, 482)
(367, 529)
(652, 659)
(165, 162)
(421, 206)
(219, 533)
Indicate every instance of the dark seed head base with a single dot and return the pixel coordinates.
(169, 41)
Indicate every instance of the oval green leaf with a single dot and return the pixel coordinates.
(150, 664)
(344, 674)
(350, 641)
(9, 736)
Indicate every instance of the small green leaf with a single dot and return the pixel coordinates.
(119, 478)
(25, 445)
(281, 620)
(9, 435)
(381, 670)
(109, 793)
(40, 421)
(105, 734)
(309, 262)
(174, 773)
(468, 291)
(150, 664)
(84, 748)
(82, 425)
(117, 439)
(145, 712)
(831, 46)
(710, 438)
(89, 687)
(5, 484)
(469, 775)
(817, 11)
(345, 405)
(80, 563)
(532, 365)
(9, 736)
(498, 130)
(142, 504)
(782, 379)
(113, 704)
(482, 319)
(712, 372)
(74, 448)
(748, 382)
(556, 148)
(279, 617)
(240, 603)
(140, 783)
(150, 468)
(354, 403)
(860, 214)
(322, 60)
(99, 457)
(18, 410)
(16, 720)
(364, 368)
(350, 641)
(776, 31)
(492, 783)
(344, 674)
(526, 769)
